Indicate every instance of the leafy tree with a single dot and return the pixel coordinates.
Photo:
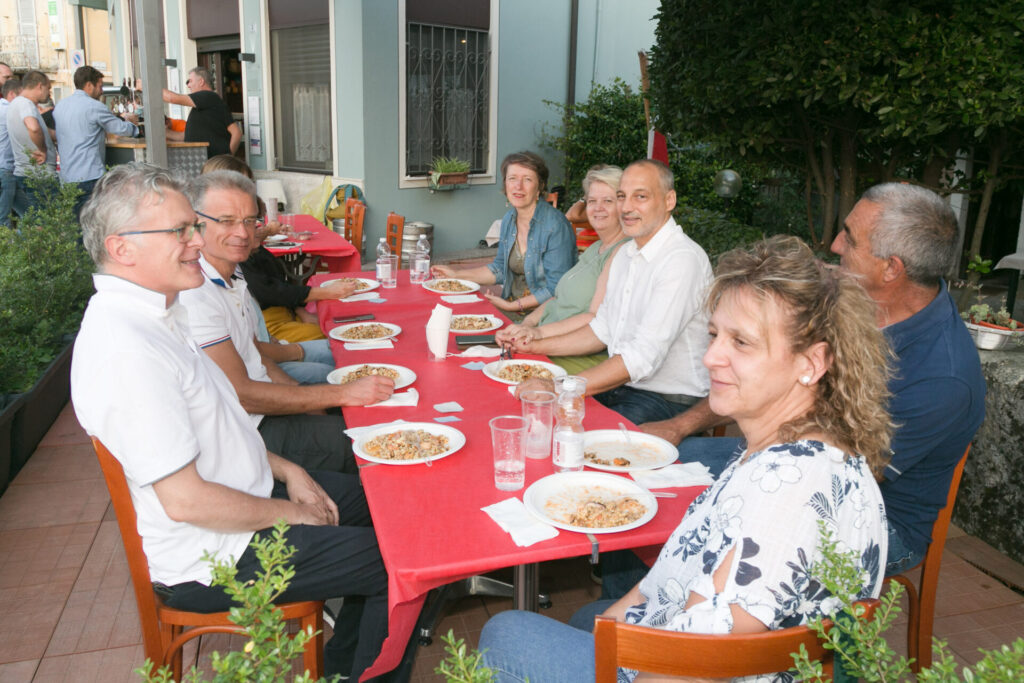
(849, 93)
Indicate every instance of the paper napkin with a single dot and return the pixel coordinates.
(362, 297)
(680, 474)
(460, 298)
(475, 365)
(447, 418)
(365, 346)
(355, 432)
(525, 529)
(437, 330)
(480, 352)
(410, 397)
(449, 407)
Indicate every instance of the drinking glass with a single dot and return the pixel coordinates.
(507, 433)
(389, 278)
(538, 410)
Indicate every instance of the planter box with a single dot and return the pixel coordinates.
(989, 337)
(40, 407)
(10, 407)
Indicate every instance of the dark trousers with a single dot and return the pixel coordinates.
(86, 187)
(640, 405)
(317, 442)
(330, 561)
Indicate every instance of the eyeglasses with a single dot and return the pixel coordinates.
(183, 233)
(249, 223)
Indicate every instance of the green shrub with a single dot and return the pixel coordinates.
(45, 284)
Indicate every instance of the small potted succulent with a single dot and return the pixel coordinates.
(448, 171)
(991, 328)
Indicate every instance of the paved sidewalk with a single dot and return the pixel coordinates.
(67, 611)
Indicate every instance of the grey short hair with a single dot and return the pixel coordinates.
(665, 176)
(116, 199)
(602, 173)
(916, 225)
(204, 74)
(199, 186)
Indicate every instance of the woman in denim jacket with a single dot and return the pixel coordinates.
(537, 244)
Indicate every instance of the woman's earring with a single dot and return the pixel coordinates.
(805, 380)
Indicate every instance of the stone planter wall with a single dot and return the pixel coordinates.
(990, 504)
(10, 407)
(40, 408)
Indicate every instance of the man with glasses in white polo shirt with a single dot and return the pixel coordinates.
(200, 475)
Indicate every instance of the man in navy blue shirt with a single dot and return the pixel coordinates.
(900, 239)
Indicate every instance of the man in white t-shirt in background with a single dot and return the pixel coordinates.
(652, 320)
(200, 476)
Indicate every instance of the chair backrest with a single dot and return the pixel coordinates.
(940, 529)
(355, 210)
(660, 651)
(138, 564)
(393, 233)
(552, 199)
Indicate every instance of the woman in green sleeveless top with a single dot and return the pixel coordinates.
(581, 290)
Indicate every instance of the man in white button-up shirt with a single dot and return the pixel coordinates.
(222, 317)
(200, 476)
(652, 320)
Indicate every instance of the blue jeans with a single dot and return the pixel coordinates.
(714, 452)
(12, 197)
(524, 645)
(317, 362)
(639, 405)
(900, 557)
(86, 187)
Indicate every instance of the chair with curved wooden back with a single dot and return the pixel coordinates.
(355, 210)
(921, 613)
(552, 199)
(659, 651)
(393, 233)
(164, 628)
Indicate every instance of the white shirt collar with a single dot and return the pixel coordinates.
(657, 242)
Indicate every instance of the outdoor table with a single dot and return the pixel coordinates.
(336, 252)
(428, 520)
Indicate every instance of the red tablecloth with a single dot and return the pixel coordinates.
(336, 251)
(428, 519)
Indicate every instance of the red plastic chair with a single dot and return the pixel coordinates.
(165, 630)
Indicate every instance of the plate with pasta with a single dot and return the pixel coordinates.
(402, 376)
(516, 371)
(590, 502)
(408, 443)
(365, 332)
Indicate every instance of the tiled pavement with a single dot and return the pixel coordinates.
(67, 612)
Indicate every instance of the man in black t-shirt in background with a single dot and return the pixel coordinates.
(210, 120)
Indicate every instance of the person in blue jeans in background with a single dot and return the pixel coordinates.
(900, 240)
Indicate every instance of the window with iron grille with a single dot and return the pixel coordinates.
(448, 95)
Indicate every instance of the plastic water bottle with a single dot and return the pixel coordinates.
(567, 451)
(383, 262)
(421, 261)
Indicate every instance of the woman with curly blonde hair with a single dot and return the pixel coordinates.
(796, 360)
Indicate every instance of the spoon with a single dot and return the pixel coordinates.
(625, 433)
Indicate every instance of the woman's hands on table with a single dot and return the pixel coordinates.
(535, 384)
(509, 334)
(501, 304)
(442, 271)
(338, 290)
(271, 228)
(367, 390)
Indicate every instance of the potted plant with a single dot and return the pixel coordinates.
(448, 171)
(991, 328)
(44, 286)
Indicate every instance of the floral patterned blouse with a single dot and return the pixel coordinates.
(768, 508)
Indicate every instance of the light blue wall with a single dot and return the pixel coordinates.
(532, 67)
(611, 32)
(348, 91)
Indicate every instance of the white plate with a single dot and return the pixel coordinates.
(429, 286)
(340, 330)
(495, 323)
(275, 238)
(491, 369)
(405, 375)
(371, 285)
(281, 245)
(563, 491)
(456, 440)
(645, 452)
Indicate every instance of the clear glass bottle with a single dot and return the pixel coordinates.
(383, 264)
(420, 261)
(567, 450)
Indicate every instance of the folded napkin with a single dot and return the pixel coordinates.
(437, 330)
(364, 346)
(356, 432)
(362, 297)
(448, 407)
(405, 398)
(685, 474)
(525, 529)
(480, 352)
(460, 298)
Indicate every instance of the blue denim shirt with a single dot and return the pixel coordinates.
(550, 251)
(82, 127)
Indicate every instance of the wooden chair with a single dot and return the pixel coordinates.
(164, 628)
(672, 653)
(552, 199)
(393, 233)
(922, 597)
(355, 210)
